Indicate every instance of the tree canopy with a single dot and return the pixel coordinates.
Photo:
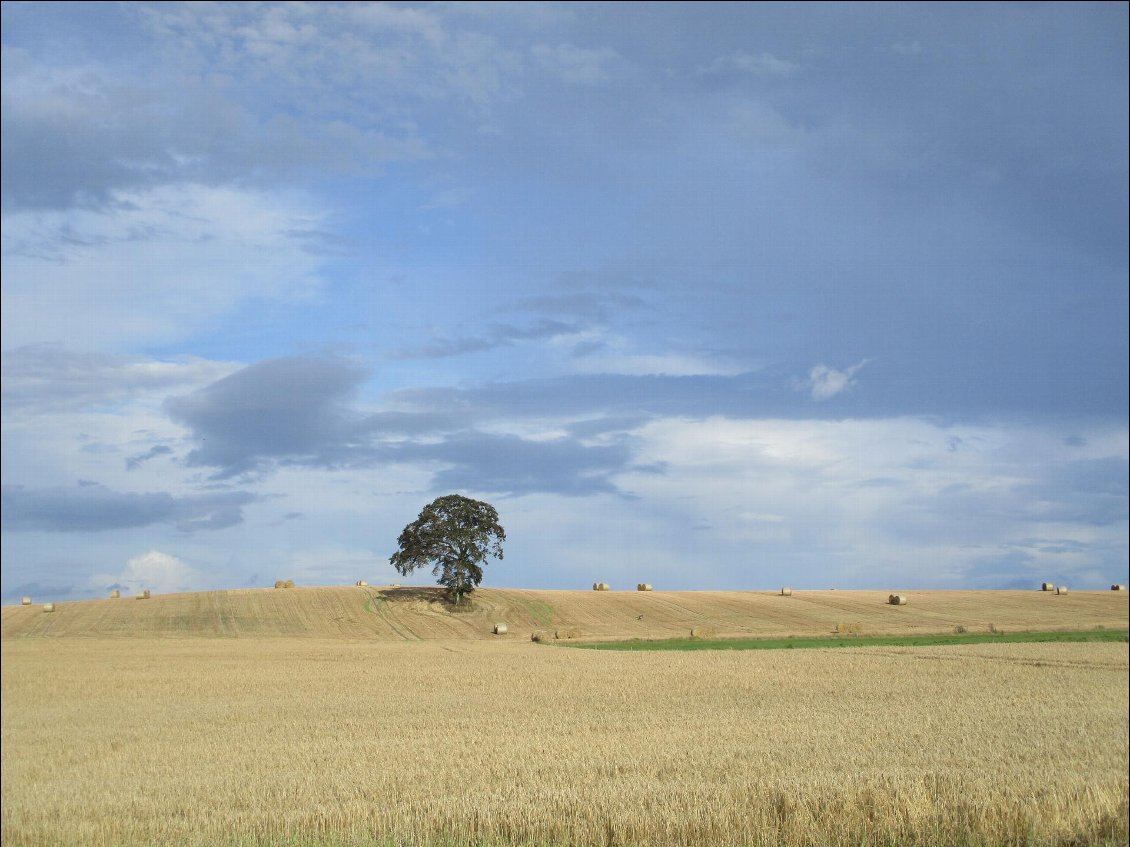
(455, 535)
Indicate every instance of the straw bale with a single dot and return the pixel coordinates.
(570, 632)
(1062, 589)
(25, 601)
(144, 595)
(289, 584)
(361, 583)
(786, 592)
(703, 632)
(1047, 586)
(897, 599)
(643, 586)
(1118, 588)
(601, 586)
(500, 629)
(115, 594)
(48, 607)
(540, 635)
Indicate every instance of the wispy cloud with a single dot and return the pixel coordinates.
(825, 383)
(135, 462)
(499, 335)
(758, 64)
(51, 377)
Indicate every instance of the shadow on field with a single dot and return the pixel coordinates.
(435, 595)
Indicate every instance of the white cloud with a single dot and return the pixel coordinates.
(825, 382)
(155, 267)
(870, 503)
(157, 571)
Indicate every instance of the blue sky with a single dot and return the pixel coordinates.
(708, 296)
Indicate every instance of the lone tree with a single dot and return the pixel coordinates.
(455, 535)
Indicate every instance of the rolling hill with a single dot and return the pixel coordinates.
(389, 613)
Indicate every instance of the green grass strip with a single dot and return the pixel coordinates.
(809, 643)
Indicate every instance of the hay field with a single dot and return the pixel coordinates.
(307, 741)
(412, 614)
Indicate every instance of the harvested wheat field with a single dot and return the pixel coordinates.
(409, 738)
(414, 614)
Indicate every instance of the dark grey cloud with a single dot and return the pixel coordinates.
(297, 411)
(507, 464)
(97, 509)
(292, 409)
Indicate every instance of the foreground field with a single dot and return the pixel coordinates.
(317, 742)
(414, 614)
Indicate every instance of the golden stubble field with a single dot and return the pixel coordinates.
(307, 741)
(413, 613)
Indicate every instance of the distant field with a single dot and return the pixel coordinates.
(413, 614)
(325, 717)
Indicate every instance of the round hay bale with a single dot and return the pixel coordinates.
(48, 607)
(1061, 589)
(115, 594)
(25, 601)
(564, 633)
(786, 592)
(1118, 588)
(289, 584)
(703, 632)
(362, 584)
(144, 595)
(280, 583)
(539, 636)
(897, 599)
(643, 586)
(500, 629)
(1047, 586)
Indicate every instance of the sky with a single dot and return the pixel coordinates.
(711, 296)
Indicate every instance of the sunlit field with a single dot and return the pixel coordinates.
(312, 741)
